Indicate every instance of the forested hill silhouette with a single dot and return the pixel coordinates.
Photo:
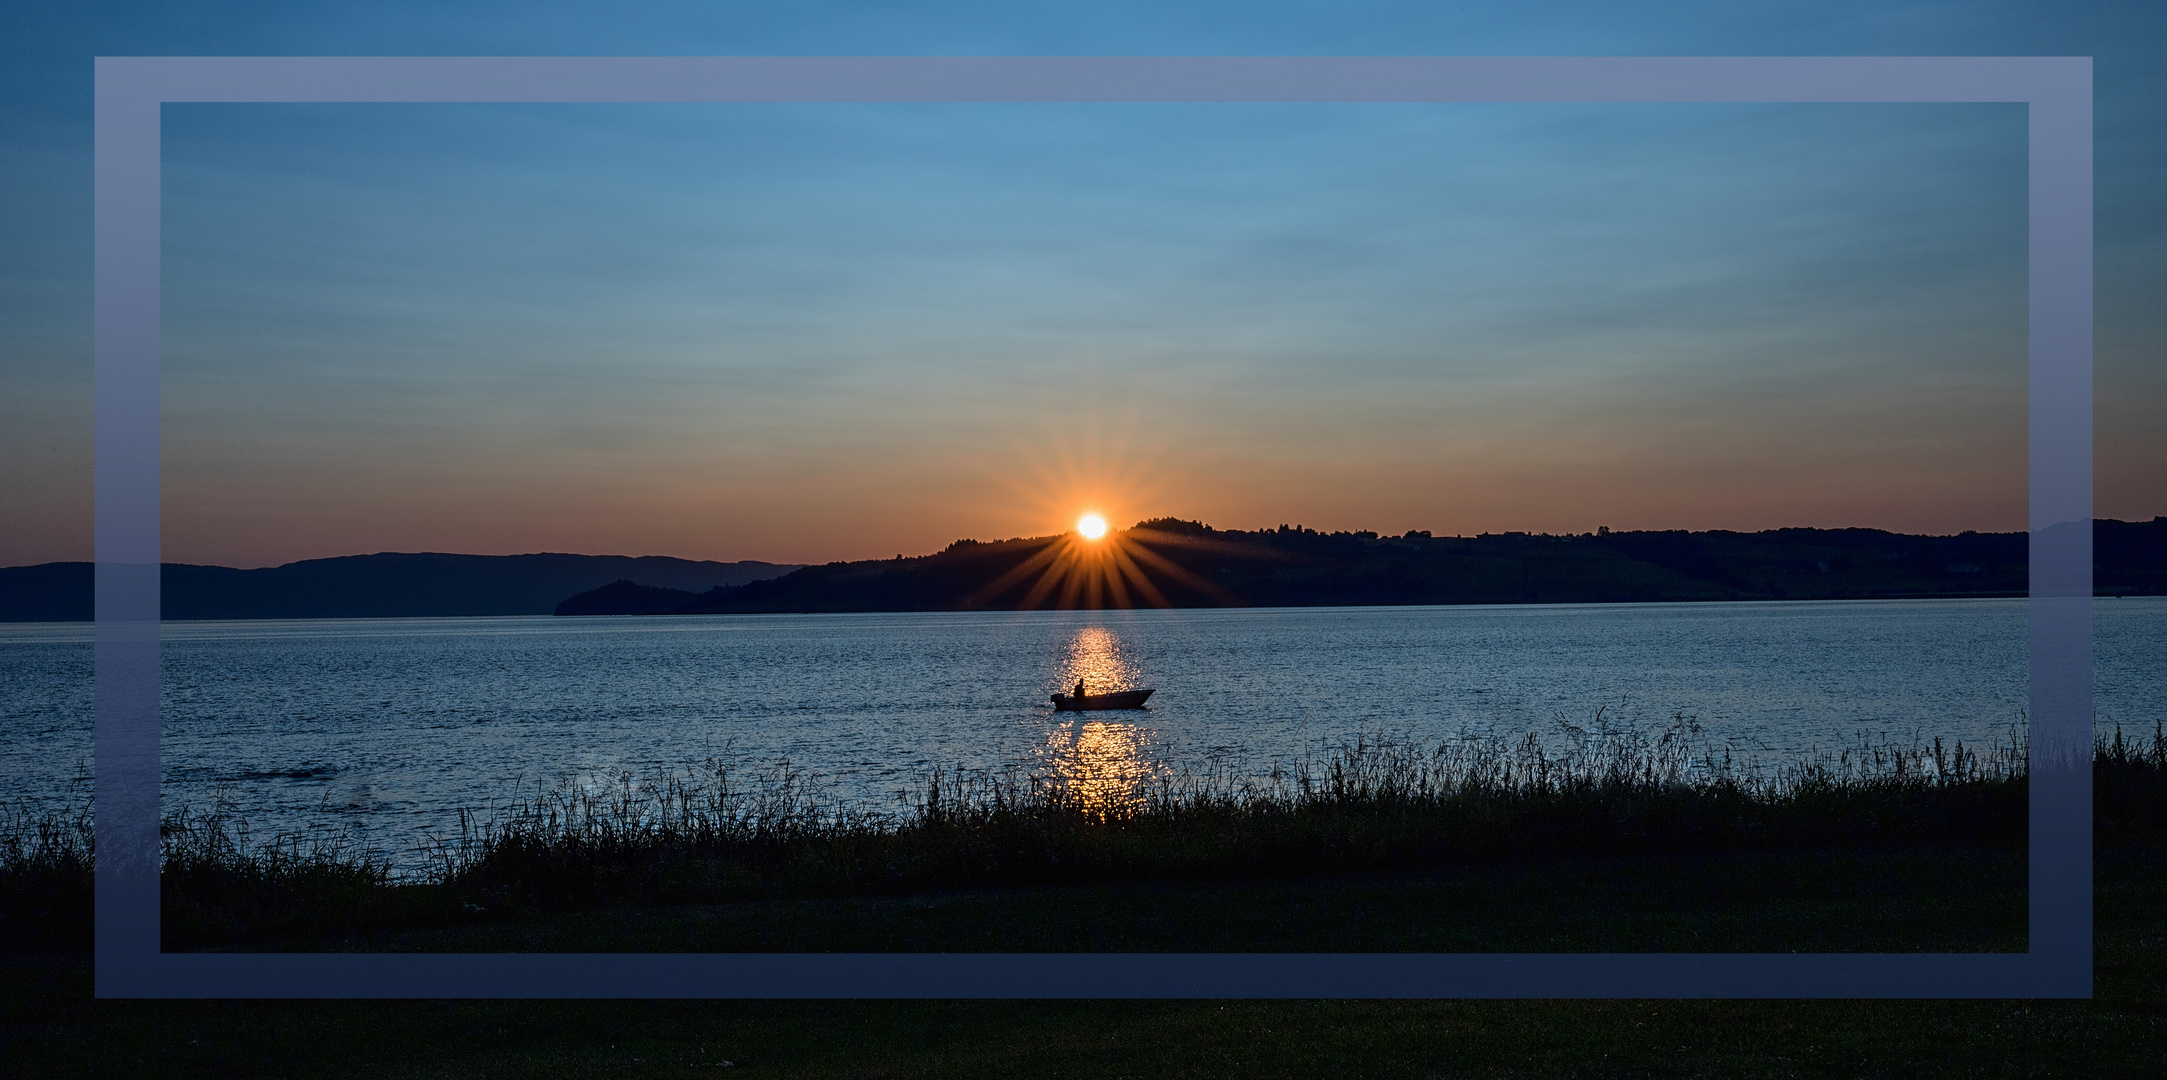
(1189, 564)
(389, 584)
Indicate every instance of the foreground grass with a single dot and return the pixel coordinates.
(46, 865)
(1841, 1040)
(1373, 807)
(49, 1027)
(1901, 900)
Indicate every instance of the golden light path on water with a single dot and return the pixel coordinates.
(1099, 758)
(1095, 656)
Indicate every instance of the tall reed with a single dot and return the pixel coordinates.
(47, 860)
(217, 880)
(2129, 792)
(718, 831)
(1374, 803)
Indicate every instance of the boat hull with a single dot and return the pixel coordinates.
(1127, 699)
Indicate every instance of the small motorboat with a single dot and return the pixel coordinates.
(1126, 699)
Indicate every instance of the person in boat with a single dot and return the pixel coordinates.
(1078, 695)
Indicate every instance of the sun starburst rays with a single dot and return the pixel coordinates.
(1116, 571)
(1089, 471)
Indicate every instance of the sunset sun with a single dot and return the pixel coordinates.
(1091, 526)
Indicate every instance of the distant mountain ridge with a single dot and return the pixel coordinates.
(383, 585)
(1288, 566)
(1297, 567)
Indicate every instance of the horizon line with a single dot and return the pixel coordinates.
(1599, 531)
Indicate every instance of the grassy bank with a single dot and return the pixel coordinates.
(1374, 806)
(1907, 899)
(46, 864)
(50, 1027)
(1367, 820)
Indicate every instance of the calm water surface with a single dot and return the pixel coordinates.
(399, 723)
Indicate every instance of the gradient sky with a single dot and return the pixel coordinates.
(814, 332)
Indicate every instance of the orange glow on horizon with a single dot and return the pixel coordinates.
(1100, 463)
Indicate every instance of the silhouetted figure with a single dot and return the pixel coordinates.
(1079, 690)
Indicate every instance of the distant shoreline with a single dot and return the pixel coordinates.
(1072, 611)
(384, 585)
(1185, 564)
(1288, 567)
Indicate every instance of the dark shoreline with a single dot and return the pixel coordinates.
(1372, 808)
(50, 1024)
(1891, 898)
(1375, 806)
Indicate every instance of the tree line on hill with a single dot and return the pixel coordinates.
(1190, 564)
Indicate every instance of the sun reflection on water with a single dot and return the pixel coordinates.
(1100, 762)
(1095, 656)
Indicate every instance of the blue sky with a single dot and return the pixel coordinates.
(813, 332)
